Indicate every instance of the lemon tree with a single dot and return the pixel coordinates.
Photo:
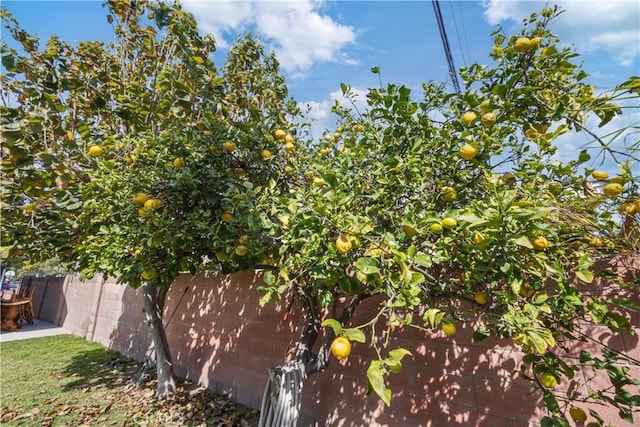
(115, 157)
(455, 207)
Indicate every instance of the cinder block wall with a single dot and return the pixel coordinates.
(221, 338)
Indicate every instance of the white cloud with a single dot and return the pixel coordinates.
(592, 25)
(324, 119)
(296, 29)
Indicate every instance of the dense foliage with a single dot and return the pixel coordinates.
(140, 160)
(456, 208)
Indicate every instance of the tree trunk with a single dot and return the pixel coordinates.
(282, 396)
(153, 298)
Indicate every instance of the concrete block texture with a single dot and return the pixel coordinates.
(221, 338)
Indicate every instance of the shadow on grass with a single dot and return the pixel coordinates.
(98, 368)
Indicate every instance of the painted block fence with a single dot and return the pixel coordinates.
(221, 338)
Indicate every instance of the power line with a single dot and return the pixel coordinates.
(464, 32)
(445, 43)
(455, 26)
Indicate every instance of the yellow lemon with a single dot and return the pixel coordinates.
(266, 154)
(468, 151)
(481, 297)
(230, 146)
(436, 227)
(449, 194)
(630, 208)
(535, 42)
(358, 128)
(288, 139)
(140, 199)
(152, 204)
(469, 117)
(612, 189)
(540, 243)
(596, 242)
(317, 181)
(409, 230)
(449, 222)
(522, 45)
(488, 119)
(548, 380)
(148, 274)
(290, 147)
(578, 414)
(341, 348)
(178, 162)
(449, 329)
(241, 250)
(280, 134)
(343, 244)
(600, 175)
(478, 239)
(95, 151)
(226, 216)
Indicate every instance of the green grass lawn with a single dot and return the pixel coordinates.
(66, 381)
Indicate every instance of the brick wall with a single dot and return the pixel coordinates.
(221, 338)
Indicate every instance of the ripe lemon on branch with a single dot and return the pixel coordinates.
(343, 244)
(178, 162)
(140, 199)
(469, 117)
(481, 297)
(341, 348)
(449, 329)
(95, 151)
(600, 175)
(449, 194)
(548, 380)
(468, 151)
(540, 243)
(612, 189)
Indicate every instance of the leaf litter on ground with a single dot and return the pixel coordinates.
(108, 389)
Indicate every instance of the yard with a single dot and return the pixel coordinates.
(65, 380)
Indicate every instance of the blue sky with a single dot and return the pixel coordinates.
(323, 43)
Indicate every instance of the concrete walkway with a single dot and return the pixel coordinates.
(40, 328)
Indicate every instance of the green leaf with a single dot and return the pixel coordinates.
(522, 241)
(398, 353)
(625, 303)
(412, 251)
(333, 324)
(269, 278)
(551, 402)
(585, 275)
(368, 265)
(433, 316)
(538, 342)
(353, 334)
(423, 260)
(472, 219)
(375, 375)
(481, 334)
